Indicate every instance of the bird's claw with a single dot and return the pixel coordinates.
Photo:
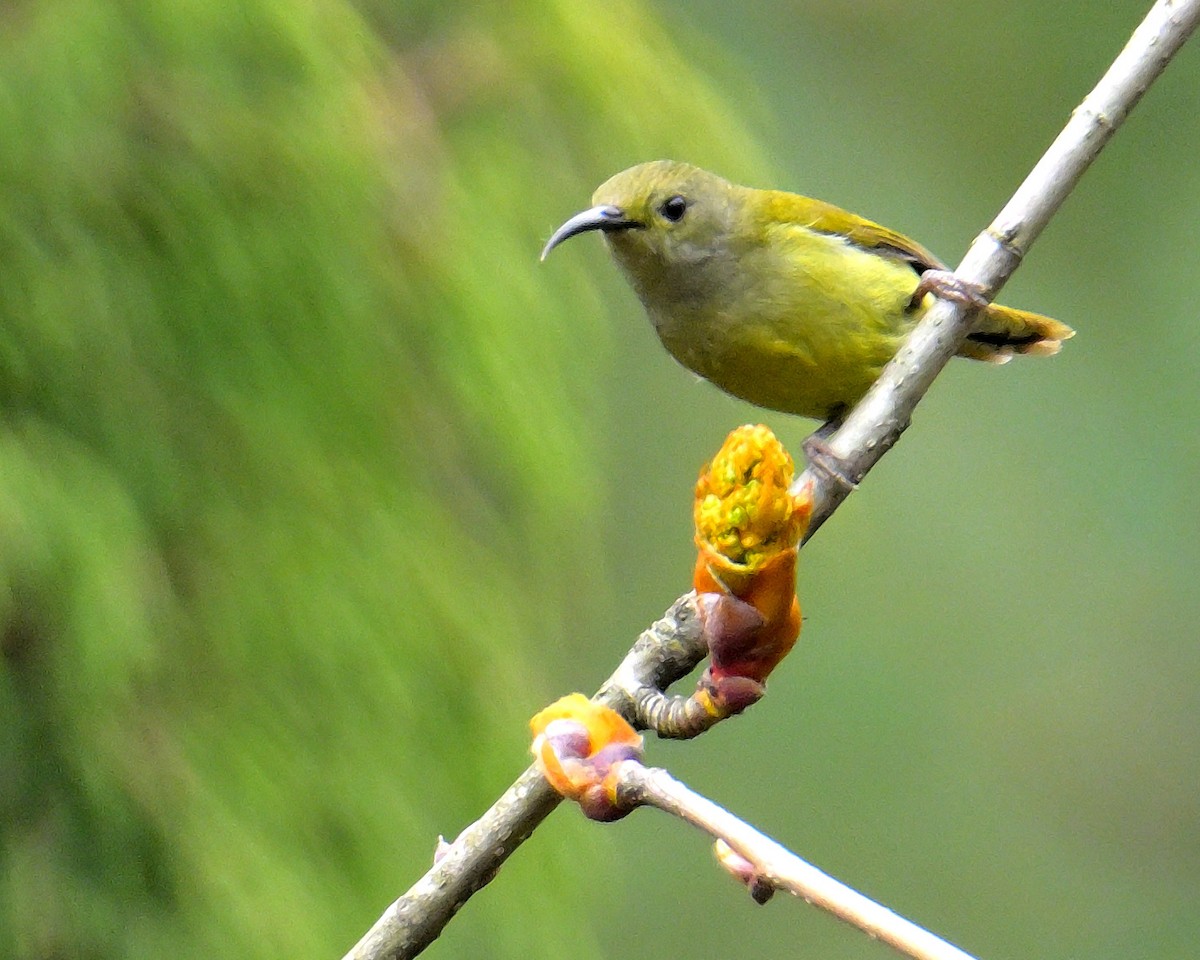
(948, 286)
(827, 464)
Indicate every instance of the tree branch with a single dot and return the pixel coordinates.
(776, 866)
(876, 422)
(669, 649)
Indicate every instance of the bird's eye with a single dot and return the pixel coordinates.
(673, 208)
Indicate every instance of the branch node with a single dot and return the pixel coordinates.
(1005, 238)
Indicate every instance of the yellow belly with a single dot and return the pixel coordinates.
(808, 334)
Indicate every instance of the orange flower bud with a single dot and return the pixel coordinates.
(576, 742)
(748, 527)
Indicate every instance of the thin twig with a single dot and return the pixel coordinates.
(415, 920)
(775, 864)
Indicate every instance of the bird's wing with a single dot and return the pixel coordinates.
(824, 217)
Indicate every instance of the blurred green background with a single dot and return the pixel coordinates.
(314, 484)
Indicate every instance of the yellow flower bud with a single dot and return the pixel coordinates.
(744, 512)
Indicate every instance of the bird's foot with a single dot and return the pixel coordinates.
(947, 286)
(824, 462)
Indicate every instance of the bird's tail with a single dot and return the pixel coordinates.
(1001, 332)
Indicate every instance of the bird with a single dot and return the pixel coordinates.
(787, 302)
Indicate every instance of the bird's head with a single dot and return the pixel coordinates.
(659, 218)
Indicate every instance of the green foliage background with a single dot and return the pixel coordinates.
(314, 485)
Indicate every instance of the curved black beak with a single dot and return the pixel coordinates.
(604, 218)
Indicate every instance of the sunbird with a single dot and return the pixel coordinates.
(788, 302)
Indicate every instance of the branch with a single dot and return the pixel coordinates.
(775, 866)
(664, 653)
(877, 421)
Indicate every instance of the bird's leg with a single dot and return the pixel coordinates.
(947, 286)
(824, 461)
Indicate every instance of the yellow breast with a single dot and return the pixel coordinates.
(806, 330)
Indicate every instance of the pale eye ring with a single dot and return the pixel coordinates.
(673, 208)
